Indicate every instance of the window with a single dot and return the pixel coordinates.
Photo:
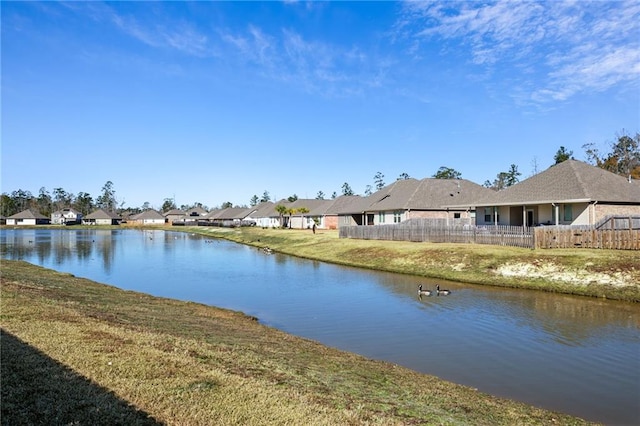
(568, 213)
(456, 215)
(397, 217)
(381, 217)
(488, 215)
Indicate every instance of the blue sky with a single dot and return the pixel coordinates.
(219, 101)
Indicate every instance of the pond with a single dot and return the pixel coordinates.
(566, 353)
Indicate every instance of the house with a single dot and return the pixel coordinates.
(66, 216)
(148, 217)
(231, 216)
(28, 217)
(569, 193)
(264, 215)
(346, 210)
(196, 212)
(101, 217)
(175, 215)
(430, 198)
(307, 212)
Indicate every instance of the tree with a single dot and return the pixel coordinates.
(627, 152)
(504, 179)
(226, 205)
(265, 197)
(346, 189)
(512, 175)
(7, 205)
(282, 210)
(21, 200)
(292, 198)
(107, 200)
(61, 198)
(334, 195)
(254, 201)
(320, 195)
(562, 155)
(302, 211)
(623, 159)
(367, 190)
(83, 203)
(378, 179)
(44, 202)
(403, 176)
(447, 173)
(168, 204)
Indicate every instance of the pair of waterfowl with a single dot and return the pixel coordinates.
(439, 291)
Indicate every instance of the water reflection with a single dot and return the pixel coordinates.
(568, 353)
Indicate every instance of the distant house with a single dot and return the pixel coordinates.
(101, 217)
(28, 217)
(569, 193)
(447, 199)
(315, 214)
(67, 216)
(232, 216)
(196, 212)
(175, 215)
(265, 215)
(148, 217)
(346, 210)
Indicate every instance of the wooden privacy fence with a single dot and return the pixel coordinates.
(514, 236)
(586, 237)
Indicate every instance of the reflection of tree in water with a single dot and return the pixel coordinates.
(570, 320)
(106, 246)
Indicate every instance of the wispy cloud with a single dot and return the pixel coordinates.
(559, 49)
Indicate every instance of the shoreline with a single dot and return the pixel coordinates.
(152, 360)
(608, 274)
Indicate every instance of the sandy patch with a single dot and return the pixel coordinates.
(553, 272)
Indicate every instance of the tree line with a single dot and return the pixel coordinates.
(622, 157)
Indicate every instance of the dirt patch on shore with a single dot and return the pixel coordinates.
(553, 272)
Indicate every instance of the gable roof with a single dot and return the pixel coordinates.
(28, 214)
(101, 214)
(175, 212)
(571, 181)
(426, 194)
(232, 213)
(148, 214)
(348, 204)
(199, 211)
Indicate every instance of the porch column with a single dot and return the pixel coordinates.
(556, 213)
(524, 216)
(495, 216)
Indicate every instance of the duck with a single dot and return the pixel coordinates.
(443, 291)
(422, 292)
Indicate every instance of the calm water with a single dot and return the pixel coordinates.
(571, 354)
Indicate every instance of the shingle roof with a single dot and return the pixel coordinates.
(148, 214)
(28, 214)
(175, 212)
(101, 214)
(348, 204)
(232, 213)
(426, 194)
(569, 181)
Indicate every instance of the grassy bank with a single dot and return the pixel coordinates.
(611, 274)
(79, 352)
